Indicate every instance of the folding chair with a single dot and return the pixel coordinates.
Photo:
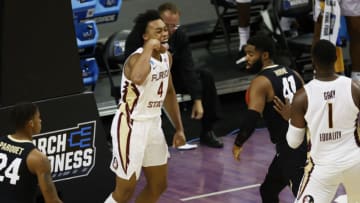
(90, 72)
(226, 13)
(298, 48)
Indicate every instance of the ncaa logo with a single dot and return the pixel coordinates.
(71, 151)
(308, 199)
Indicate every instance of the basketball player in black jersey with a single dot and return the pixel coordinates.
(271, 80)
(22, 166)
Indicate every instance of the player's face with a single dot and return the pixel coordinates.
(157, 29)
(253, 58)
(36, 128)
(171, 20)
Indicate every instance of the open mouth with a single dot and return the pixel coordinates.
(165, 44)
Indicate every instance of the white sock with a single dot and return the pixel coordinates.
(244, 33)
(355, 76)
(110, 199)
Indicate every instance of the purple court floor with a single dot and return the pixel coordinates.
(207, 175)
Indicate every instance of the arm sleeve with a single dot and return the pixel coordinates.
(183, 65)
(247, 127)
(295, 136)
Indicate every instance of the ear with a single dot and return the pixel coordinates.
(31, 123)
(145, 37)
(265, 55)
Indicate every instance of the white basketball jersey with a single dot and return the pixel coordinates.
(145, 101)
(331, 117)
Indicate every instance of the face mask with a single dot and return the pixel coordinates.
(256, 67)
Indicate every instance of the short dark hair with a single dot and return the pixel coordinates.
(168, 6)
(263, 43)
(324, 54)
(22, 113)
(135, 39)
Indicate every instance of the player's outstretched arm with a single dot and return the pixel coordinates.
(172, 107)
(258, 91)
(39, 165)
(296, 132)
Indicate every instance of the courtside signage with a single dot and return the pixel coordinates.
(71, 151)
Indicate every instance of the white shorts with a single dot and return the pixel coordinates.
(348, 8)
(136, 145)
(320, 183)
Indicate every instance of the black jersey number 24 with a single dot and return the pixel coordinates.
(289, 87)
(11, 170)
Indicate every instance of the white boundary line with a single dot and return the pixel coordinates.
(219, 192)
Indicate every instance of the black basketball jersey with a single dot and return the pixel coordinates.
(17, 183)
(284, 83)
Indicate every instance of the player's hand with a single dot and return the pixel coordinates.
(236, 152)
(284, 109)
(179, 139)
(197, 110)
(153, 44)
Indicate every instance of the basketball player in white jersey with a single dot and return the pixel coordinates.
(328, 106)
(137, 138)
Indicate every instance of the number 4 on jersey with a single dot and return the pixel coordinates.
(160, 90)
